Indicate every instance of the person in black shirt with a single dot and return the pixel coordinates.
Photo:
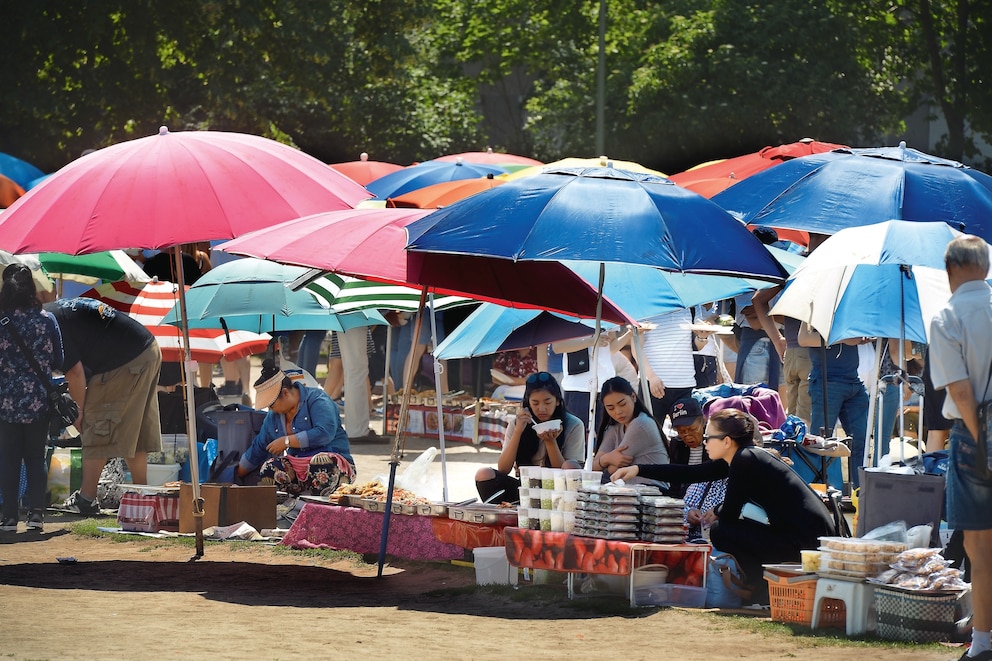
(111, 365)
(796, 517)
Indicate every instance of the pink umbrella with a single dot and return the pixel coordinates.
(363, 170)
(172, 188)
(150, 302)
(168, 189)
(370, 244)
(489, 157)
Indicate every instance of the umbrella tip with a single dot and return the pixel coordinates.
(459, 161)
(163, 130)
(364, 156)
(902, 144)
(489, 150)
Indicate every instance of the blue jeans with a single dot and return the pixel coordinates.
(848, 401)
(309, 352)
(889, 410)
(757, 360)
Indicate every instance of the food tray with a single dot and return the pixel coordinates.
(352, 500)
(433, 509)
(407, 509)
(852, 556)
(489, 515)
(373, 505)
(859, 545)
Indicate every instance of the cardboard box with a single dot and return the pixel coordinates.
(227, 504)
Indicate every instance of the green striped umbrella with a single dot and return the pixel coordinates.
(346, 294)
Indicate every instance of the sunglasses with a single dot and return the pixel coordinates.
(707, 439)
(538, 377)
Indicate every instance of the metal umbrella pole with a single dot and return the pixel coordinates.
(594, 359)
(190, 368)
(440, 403)
(394, 458)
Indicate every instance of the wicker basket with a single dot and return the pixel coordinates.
(915, 617)
(792, 602)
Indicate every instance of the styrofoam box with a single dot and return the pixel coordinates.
(670, 594)
(492, 567)
(159, 474)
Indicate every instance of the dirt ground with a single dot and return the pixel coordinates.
(143, 599)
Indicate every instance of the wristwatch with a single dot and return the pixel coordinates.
(287, 441)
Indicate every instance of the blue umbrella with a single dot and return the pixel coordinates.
(20, 171)
(598, 215)
(254, 294)
(827, 192)
(492, 328)
(428, 173)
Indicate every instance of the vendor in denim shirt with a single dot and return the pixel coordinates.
(302, 446)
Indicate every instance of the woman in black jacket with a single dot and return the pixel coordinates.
(796, 516)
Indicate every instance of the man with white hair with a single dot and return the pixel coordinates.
(961, 359)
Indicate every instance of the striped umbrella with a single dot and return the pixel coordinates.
(346, 294)
(149, 302)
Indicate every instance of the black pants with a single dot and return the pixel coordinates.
(662, 407)
(23, 442)
(755, 544)
(706, 369)
(502, 482)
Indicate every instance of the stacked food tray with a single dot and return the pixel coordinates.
(607, 511)
(854, 558)
(662, 519)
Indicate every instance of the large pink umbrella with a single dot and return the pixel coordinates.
(168, 189)
(370, 244)
(171, 188)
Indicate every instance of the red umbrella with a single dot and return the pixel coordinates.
(443, 194)
(710, 178)
(489, 157)
(370, 244)
(172, 188)
(363, 170)
(149, 302)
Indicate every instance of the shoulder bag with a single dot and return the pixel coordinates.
(62, 409)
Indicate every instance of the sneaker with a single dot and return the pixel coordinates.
(8, 524)
(36, 521)
(77, 504)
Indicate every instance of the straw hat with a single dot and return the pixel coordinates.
(267, 391)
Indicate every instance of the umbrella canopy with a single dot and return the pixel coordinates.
(601, 215)
(573, 162)
(827, 192)
(108, 265)
(369, 244)
(710, 178)
(172, 188)
(348, 294)
(20, 171)
(489, 157)
(363, 170)
(149, 302)
(446, 193)
(10, 191)
(426, 174)
(492, 328)
(255, 295)
(864, 281)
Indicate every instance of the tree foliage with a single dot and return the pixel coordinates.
(407, 80)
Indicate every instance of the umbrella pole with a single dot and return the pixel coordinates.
(823, 384)
(191, 370)
(594, 381)
(874, 430)
(904, 270)
(642, 376)
(394, 458)
(440, 404)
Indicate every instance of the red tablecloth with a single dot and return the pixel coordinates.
(353, 529)
(560, 551)
(467, 535)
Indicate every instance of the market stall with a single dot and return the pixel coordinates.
(464, 419)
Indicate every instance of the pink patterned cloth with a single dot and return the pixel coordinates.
(353, 529)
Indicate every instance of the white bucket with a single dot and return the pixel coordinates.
(159, 474)
(493, 568)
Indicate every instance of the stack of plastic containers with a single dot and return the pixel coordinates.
(548, 497)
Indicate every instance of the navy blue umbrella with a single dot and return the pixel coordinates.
(828, 192)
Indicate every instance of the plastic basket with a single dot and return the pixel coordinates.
(916, 618)
(792, 602)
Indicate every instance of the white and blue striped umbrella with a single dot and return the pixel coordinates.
(881, 280)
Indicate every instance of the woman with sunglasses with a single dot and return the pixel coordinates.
(628, 434)
(522, 446)
(795, 516)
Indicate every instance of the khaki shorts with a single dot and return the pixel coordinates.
(795, 375)
(120, 414)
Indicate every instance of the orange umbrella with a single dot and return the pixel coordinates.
(710, 178)
(10, 190)
(363, 170)
(440, 195)
(489, 157)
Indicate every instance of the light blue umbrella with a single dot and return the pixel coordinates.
(491, 328)
(253, 294)
(426, 174)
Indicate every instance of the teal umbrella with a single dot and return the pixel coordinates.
(254, 294)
